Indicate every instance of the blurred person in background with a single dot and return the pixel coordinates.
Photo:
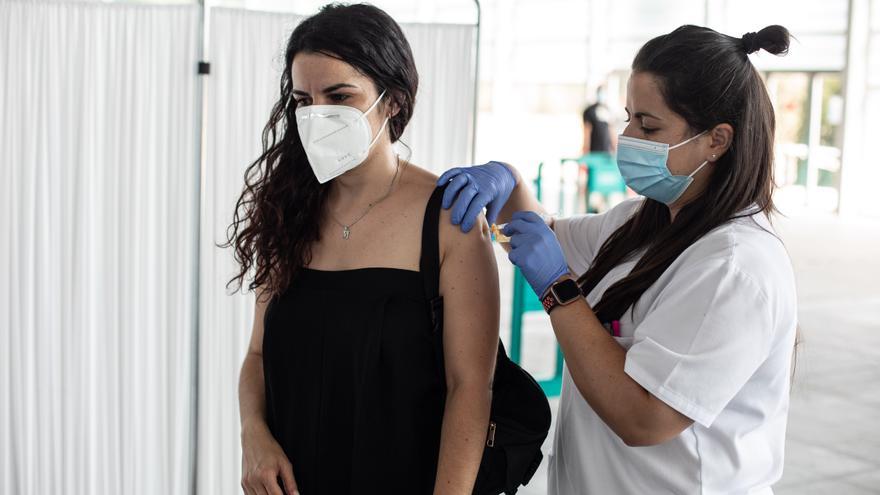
(598, 130)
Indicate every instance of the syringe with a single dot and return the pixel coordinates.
(496, 229)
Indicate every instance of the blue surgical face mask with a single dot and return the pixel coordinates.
(643, 166)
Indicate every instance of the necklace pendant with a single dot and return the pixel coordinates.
(346, 232)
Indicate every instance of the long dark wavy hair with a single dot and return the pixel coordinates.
(278, 215)
(707, 78)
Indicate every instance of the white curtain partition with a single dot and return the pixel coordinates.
(99, 194)
(247, 57)
(441, 128)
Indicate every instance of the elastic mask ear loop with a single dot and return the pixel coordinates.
(378, 133)
(383, 123)
(375, 103)
(698, 169)
(686, 141)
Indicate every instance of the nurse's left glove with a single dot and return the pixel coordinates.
(535, 250)
(473, 188)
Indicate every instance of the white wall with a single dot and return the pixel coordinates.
(860, 172)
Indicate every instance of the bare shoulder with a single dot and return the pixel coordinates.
(418, 181)
(419, 184)
(416, 187)
(423, 183)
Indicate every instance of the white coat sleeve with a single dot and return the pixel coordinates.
(579, 236)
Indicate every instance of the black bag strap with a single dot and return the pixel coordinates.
(429, 263)
(429, 266)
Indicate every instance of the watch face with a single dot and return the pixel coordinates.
(567, 290)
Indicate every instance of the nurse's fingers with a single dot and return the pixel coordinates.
(474, 210)
(515, 256)
(455, 185)
(518, 241)
(449, 174)
(528, 216)
(493, 208)
(465, 197)
(514, 227)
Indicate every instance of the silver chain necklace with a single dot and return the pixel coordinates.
(346, 229)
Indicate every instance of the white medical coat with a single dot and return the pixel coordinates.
(712, 338)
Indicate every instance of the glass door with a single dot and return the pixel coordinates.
(809, 113)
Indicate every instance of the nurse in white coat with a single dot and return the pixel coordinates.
(676, 311)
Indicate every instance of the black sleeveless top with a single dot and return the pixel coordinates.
(353, 392)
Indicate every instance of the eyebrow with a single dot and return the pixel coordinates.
(328, 89)
(639, 115)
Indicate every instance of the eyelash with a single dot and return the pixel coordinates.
(647, 130)
(335, 98)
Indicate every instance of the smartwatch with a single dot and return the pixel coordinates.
(560, 294)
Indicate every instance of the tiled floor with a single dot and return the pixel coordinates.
(833, 444)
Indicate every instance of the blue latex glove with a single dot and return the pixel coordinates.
(535, 250)
(474, 188)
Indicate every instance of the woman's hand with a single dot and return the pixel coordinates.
(473, 188)
(535, 250)
(263, 462)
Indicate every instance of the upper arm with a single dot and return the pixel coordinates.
(255, 345)
(469, 286)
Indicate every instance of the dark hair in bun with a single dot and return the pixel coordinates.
(773, 39)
